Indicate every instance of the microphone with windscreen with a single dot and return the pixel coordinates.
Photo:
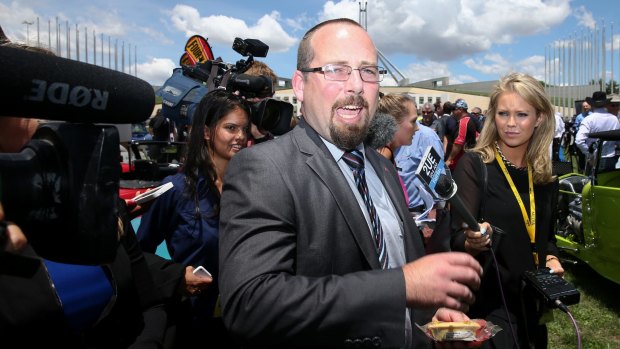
(43, 86)
(381, 130)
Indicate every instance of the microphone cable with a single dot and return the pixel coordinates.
(504, 303)
(564, 308)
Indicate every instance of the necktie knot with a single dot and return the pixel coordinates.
(354, 159)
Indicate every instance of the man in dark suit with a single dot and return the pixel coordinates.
(305, 259)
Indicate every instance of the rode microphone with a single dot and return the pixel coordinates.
(42, 86)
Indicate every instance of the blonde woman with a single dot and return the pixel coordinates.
(517, 198)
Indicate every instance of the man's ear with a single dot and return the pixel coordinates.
(298, 85)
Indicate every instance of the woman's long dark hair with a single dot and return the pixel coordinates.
(214, 106)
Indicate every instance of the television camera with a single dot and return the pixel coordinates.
(182, 92)
(62, 187)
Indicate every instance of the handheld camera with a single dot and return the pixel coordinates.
(182, 92)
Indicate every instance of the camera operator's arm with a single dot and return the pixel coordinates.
(11, 235)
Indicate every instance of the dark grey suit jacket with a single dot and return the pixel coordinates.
(298, 266)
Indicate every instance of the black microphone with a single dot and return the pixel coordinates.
(446, 188)
(42, 86)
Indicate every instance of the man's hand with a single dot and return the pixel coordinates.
(444, 314)
(442, 280)
(193, 285)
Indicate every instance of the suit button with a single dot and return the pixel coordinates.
(376, 342)
(357, 343)
(367, 342)
(348, 343)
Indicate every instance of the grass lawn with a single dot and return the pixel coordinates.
(597, 314)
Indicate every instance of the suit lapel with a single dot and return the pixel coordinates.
(327, 171)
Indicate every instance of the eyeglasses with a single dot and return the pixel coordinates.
(341, 72)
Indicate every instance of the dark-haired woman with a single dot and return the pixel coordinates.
(187, 216)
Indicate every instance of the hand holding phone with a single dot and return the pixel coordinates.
(202, 272)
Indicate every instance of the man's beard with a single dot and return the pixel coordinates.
(349, 136)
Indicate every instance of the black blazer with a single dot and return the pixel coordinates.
(298, 266)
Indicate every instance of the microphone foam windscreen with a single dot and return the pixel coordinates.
(38, 85)
(381, 130)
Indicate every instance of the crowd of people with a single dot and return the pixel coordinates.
(324, 236)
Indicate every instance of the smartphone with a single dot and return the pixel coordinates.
(202, 272)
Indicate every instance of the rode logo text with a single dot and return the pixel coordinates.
(65, 94)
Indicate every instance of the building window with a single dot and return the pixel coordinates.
(421, 99)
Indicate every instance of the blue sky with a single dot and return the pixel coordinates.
(466, 40)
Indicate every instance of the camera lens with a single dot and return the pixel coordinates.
(271, 116)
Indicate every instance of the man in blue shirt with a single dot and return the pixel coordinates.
(585, 111)
(407, 159)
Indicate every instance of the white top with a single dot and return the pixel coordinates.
(598, 121)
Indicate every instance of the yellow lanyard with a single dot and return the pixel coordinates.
(530, 223)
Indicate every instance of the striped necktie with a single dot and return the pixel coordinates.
(355, 160)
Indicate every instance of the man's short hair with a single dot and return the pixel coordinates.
(305, 53)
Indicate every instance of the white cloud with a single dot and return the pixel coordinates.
(423, 71)
(584, 17)
(12, 18)
(496, 65)
(534, 65)
(341, 9)
(157, 35)
(426, 70)
(225, 29)
(156, 71)
(300, 22)
(490, 64)
(445, 30)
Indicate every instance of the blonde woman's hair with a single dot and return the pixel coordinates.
(537, 154)
(395, 104)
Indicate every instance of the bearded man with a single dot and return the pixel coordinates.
(317, 246)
